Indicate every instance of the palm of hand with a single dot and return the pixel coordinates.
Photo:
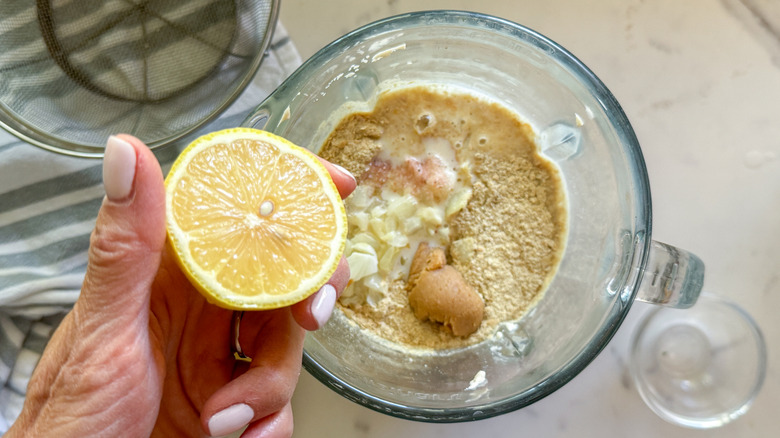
(170, 361)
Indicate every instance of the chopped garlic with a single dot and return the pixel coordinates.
(385, 228)
(362, 265)
(457, 202)
(431, 216)
(359, 219)
(462, 250)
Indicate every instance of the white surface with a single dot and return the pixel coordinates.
(700, 82)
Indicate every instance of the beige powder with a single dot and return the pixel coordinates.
(506, 242)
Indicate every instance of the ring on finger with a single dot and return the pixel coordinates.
(235, 345)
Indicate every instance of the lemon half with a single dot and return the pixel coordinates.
(254, 221)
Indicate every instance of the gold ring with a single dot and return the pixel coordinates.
(238, 353)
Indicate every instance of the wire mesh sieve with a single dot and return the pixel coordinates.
(73, 72)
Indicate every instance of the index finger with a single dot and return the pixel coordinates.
(344, 180)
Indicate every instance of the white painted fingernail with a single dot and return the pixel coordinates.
(230, 419)
(344, 171)
(323, 303)
(118, 168)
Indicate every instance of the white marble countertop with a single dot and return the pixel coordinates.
(700, 82)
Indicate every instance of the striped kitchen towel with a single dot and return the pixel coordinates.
(48, 206)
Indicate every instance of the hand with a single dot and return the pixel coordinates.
(142, 353)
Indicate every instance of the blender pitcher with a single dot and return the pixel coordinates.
(609, 260)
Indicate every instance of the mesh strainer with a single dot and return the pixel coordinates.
(73, 72)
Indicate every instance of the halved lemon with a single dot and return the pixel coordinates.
(254, 221)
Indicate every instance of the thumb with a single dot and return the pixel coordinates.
(129, 235)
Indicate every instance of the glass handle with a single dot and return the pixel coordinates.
(672, 277)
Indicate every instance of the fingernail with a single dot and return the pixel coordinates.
(118, 169)
(323, 303)
(230, 419)
(344, 171)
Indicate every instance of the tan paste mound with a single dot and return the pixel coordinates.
(439, 293)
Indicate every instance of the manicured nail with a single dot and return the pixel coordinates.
(323, 303)
(344, 171)
(230, 419)
(118, 169)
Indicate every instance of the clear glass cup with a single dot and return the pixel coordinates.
(609, 259)
(702, 367)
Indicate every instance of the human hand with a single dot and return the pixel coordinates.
(142, 353)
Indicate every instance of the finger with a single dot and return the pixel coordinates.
(343, 179)
(275, 342)
(129, 234)
(276, 425)
(313, 312)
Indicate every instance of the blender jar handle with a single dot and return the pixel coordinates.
(672, 277)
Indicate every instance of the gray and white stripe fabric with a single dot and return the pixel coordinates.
(48, 206)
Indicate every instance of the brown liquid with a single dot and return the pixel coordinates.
(508, 239)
